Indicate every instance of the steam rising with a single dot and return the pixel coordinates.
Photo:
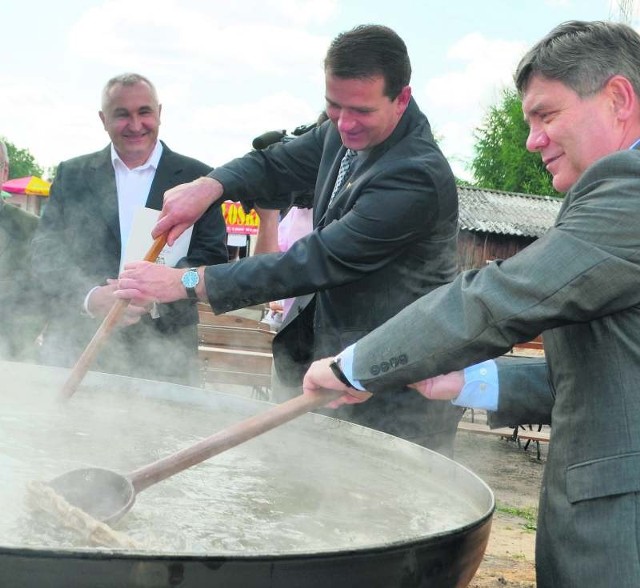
(315, 484)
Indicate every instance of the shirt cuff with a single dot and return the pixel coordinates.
(346, 365)
(85, 304)
(481, 387)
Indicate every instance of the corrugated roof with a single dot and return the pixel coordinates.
(506, 213)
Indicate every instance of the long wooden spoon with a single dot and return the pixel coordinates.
(107, 495)
(110, 321)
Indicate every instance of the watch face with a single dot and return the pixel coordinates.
(190, 279)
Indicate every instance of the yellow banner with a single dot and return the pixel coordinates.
(238, 221)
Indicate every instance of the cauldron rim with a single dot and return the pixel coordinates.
(132, 553)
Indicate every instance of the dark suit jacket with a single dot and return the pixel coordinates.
(77, 246)
(580, 285)
(526, 393)
(22, 312)
(388, 237)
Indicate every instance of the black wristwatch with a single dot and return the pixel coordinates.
(338, 373)
(190, 279)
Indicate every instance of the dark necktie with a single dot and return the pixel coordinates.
(345, 164)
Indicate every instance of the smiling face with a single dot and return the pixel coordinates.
(131, 117)
(363, 115)
(570, 132)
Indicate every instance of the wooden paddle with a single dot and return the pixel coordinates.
(106, 495)
(110, 321)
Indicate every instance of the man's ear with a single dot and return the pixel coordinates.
(403, 99)
(101, 115)
(622, 96)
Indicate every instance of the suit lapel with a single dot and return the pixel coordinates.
(410, 118)
(167, 175)
(102, 184)
(320, 211)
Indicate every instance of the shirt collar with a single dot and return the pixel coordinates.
(152, 162)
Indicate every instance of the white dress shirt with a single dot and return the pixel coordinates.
(132, 191)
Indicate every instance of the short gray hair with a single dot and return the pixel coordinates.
(583, 55)
(126, 79)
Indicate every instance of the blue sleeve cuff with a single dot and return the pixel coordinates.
(346, 365)
(480, 388)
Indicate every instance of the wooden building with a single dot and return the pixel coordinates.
(496, 225)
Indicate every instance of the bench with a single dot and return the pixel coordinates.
(247, 338)
(506, 432)
(518, 434)
(236, 366)
(208, 317)
(536, 343)
(235, 350)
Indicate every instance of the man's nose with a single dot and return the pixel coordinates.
(135, 122)
(345, 121)
(536, 140)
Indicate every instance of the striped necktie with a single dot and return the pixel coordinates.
(345, 164)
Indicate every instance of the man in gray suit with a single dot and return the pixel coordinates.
(83, 232)
(579, 285)
(383, 238)
(22, 311)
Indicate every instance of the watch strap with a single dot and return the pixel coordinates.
(338, 373)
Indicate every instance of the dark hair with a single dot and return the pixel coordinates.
(583, 56)
(367, 51)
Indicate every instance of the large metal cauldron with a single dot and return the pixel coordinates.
(315, 503)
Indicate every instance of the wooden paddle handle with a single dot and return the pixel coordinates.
(227, 438)
(110, 321)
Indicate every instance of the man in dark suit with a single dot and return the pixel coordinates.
(579, 285)
(83, 232)
(387, 236)
(22, 312)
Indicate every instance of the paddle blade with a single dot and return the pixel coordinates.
(103, 494)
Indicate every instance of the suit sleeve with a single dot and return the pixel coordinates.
(208, 241)
(585, 267)
(266, 178)
(372, 234)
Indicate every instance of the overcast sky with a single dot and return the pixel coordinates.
(228, 70)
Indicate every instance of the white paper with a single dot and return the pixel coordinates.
(140, 240)
(234, 240)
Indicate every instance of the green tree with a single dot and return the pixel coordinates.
(21, 162)
(501, 160)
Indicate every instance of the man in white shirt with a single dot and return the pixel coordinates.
(79, 246)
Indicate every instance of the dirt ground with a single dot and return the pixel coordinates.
(514, 475)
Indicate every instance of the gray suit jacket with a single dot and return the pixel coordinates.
(579, 286)
(388, 237)
(22, 310)
(77, 246)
